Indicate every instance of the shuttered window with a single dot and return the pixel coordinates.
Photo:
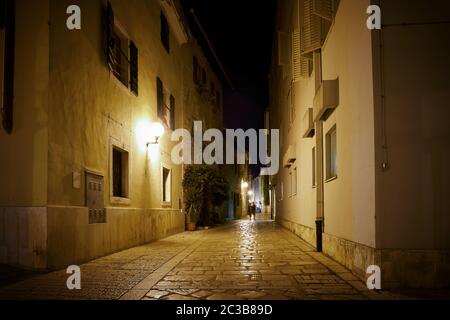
(301, 66)
(160, 97)
(7, 56)
(121, 53)
(311, 35)
(166, 106)
(315, 21)
(296, 55)
(110, 36)
(134, 68)
(323, 9)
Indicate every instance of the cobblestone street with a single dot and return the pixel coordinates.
(242, 260)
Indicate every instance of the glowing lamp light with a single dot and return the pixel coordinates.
(244, 185)
(155, 132)
(250, 193)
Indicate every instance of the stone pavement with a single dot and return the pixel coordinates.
(241, 261)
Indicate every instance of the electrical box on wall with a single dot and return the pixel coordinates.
(95, 198)
(76, 180)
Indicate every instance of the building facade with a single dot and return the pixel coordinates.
(364, 119)
(82, 172)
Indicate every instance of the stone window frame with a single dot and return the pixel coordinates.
(331, 155)
(166, 204)
(114, 144)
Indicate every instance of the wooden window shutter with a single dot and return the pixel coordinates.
(296, 56)
(172, 112)
(305, 67)
(134, 76)
(283, 48)
(110, 36)
(323, 9)
(311, 24)
(160, 97)
(9, 24)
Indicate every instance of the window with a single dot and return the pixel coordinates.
(294, 182)
(134, 68)
(282, 192)
(122, 54)
(120, 57)
(165, 33)
(290, 184)
(7, 44)
(119, 173)
(314, 177)
(166, 105)
(331, 149)
(166, 185)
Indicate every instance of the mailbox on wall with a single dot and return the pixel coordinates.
(94, 198)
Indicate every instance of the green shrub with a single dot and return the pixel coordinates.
(205, 187)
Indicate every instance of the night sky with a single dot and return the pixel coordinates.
(241, 32)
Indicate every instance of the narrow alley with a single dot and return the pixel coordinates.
(225, 150)
(243, 260)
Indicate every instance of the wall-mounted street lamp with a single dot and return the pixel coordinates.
(244, 185)
(250, 193)
(155, 132)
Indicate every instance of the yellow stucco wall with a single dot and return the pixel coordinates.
(69, 112)
(101, 110)
(90, 110)
(23, 169)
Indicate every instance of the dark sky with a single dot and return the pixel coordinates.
(241, 32)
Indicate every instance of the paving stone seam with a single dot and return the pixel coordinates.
(141, 289)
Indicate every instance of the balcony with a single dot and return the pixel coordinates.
(326, 100)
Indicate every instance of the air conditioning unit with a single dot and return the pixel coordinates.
(308, 124)
(326, 99)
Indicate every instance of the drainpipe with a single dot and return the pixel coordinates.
(320, 186)
(319, 158)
